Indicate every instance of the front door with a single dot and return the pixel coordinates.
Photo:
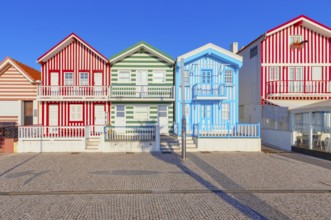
(28, 112)
(120, 121)
(163, 119)
(98, 84)
(53, 118)
(206, 117)
(99, 119)
(142, 82)
(54, 83)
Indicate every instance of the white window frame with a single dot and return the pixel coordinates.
(85, 81)
(66, 80)
(159, 76)
(274, 75)
(228, 76)
(295, 39)
(141, 109)
(225, 111)
(76, 112)
(122, 78)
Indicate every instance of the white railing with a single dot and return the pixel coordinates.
(94, 130)
(209, 90)
(73, 91)
(130, 133)
(299, 86)
(140, 92)
(50, 132)
(227, 130)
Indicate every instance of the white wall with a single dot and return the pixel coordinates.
(280, 139)
(50, 146)
(249, 82)
(229, 144)
(10, 108)
(130, 146)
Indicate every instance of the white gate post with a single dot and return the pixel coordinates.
(157, 137)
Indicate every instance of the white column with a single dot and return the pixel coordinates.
(310, 126)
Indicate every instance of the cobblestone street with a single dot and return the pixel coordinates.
(206, 185)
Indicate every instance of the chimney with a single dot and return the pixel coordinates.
(234, 47)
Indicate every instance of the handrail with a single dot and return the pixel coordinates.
(50, 132)
(73, 91)
(130, 133)
(120, 91)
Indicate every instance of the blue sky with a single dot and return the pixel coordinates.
(30, 28)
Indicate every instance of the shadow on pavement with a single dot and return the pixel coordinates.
(247, 203)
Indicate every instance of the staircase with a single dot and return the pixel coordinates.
(190, 145)
(92, 144)
(169, 143)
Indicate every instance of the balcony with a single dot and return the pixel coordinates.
(142, 93)
(209, 92)
(299, 88)
(93, 93)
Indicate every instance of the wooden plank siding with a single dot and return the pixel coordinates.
(14, 86)
(276, 51)
(143, 60)
(76, 58)
(63, 109)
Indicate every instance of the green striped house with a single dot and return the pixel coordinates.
(142, 88)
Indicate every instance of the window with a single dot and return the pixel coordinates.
(228, 77)
(120, 111)
(76, 112)
(295, 73)
(83, 79)
(316, 73)
(159, 77)
(295, 39)
(295, 77)
(225, 111)
(186, 77)
(206, 76)
(253, 52)
(124, 76)
(68, 79)
(274, 73)
(141, 112)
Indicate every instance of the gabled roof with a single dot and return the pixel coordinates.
(65, 42)
(28, 72)
(137, 47)
(306, 22)
(211, 49)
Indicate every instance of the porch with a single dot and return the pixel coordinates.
(73, 92)
(142, 93)
(209, 91)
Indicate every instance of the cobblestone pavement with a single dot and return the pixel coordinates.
(162, 186)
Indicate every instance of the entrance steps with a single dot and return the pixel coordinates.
(190, 145)
(170, 143)
(92, 144)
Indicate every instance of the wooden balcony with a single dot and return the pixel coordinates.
(299, 88)
(93, 93)
(142, 93)
(209, 92)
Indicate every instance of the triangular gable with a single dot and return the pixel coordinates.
(304, 21)
(29, 73)
(141, 46)
(211, 49)
(65, 42)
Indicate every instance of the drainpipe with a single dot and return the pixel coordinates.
(183, 111)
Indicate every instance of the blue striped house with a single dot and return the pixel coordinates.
(211, 90)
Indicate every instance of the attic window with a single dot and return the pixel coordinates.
(253, 52)
(296, 41)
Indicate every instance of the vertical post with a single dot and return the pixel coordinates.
(183, 111)
(157, 137)
(310, 126)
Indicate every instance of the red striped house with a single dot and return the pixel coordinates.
(75, 85)
(289, 66)
(18, 93)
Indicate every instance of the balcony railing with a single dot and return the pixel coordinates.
(301, 87)
(73, 92)
(209, 91)
(142, 92)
